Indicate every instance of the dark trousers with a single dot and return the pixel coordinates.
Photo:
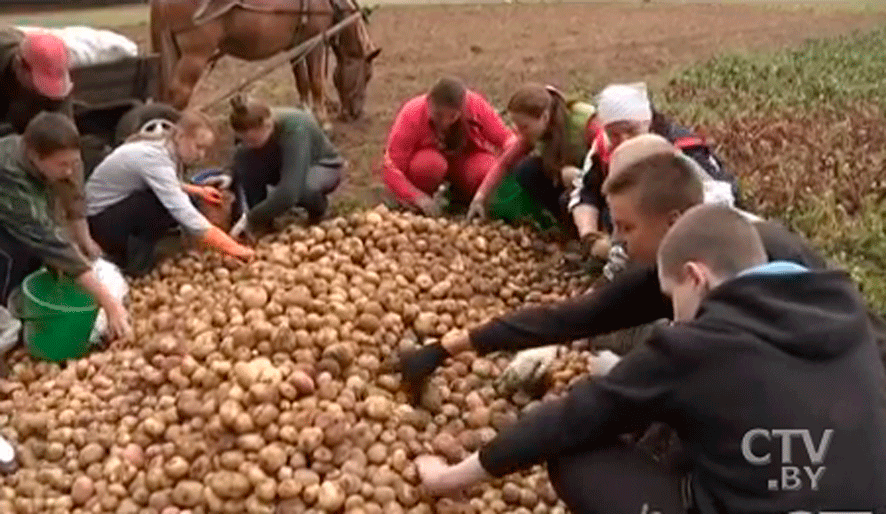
(256, 169)
(17, 261)
(531, 176)
(129, 231)
(620, 478)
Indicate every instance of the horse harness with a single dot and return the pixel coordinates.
(210, 10)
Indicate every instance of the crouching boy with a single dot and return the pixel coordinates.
(769, 374)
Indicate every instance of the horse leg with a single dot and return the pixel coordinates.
(302, 82)
(188, 71)
(316, 63)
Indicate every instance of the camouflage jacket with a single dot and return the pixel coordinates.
(27, 201)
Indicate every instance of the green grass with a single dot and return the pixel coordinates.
(830, 71)
(804, 129)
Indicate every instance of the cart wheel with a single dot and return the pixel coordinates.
(138, 119)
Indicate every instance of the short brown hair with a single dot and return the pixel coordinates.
(248, 113)
(667, 182)
(51, 132)
(448, 92)
(717, 235)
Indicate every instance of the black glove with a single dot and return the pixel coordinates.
(417, 365)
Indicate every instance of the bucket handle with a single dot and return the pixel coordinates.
(47, 305)
(48, 316)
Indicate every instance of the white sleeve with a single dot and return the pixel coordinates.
(579, 182)
(715, 191)
(159, 172)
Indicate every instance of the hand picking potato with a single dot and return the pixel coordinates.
(266, 387)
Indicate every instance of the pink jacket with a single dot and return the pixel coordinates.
(413, 131)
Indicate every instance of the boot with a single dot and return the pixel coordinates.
(140, 257)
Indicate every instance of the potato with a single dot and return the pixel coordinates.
(302, 382)
(187, 494)
(330, 497)
(254, 297)
(271, 384)
(91, 453)
(82, 490)
(272, 458)
(176, 467)
(229, 485)
(378, 408)
(154, 427)
(310, 439)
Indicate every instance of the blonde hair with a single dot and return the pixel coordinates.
(189, 124)
(665, 182)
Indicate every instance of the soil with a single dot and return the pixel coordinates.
(494, 48)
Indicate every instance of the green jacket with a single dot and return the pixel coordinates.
(27, 203)
(580, 114)
(304, 144)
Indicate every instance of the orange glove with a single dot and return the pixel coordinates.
(208, 194)
(216, 238)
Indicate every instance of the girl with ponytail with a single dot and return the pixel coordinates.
(284, 149)
(547, 155)
(136, 195)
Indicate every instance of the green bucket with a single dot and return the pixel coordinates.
(57, 317)
(511, 203)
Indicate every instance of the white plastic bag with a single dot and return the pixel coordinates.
(10, 328)
(8, 462)
(109, 275)
(718, 192)
(88, 46)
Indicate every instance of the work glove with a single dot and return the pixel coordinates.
(209, 194)
(603, 362)
(528, 369)
(417, 365)
(477, 209)
(429, 207)
(8, 461)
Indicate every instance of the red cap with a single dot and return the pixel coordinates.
(46, 60)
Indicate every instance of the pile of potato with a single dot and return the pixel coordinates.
(269, 388)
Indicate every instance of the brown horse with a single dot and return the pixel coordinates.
(259, 29)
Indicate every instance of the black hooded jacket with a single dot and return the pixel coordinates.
(765, 353)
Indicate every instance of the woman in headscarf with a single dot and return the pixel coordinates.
(624, 111)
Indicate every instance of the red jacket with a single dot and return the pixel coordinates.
(413, 131)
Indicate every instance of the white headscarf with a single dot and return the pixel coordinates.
(624, 102)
